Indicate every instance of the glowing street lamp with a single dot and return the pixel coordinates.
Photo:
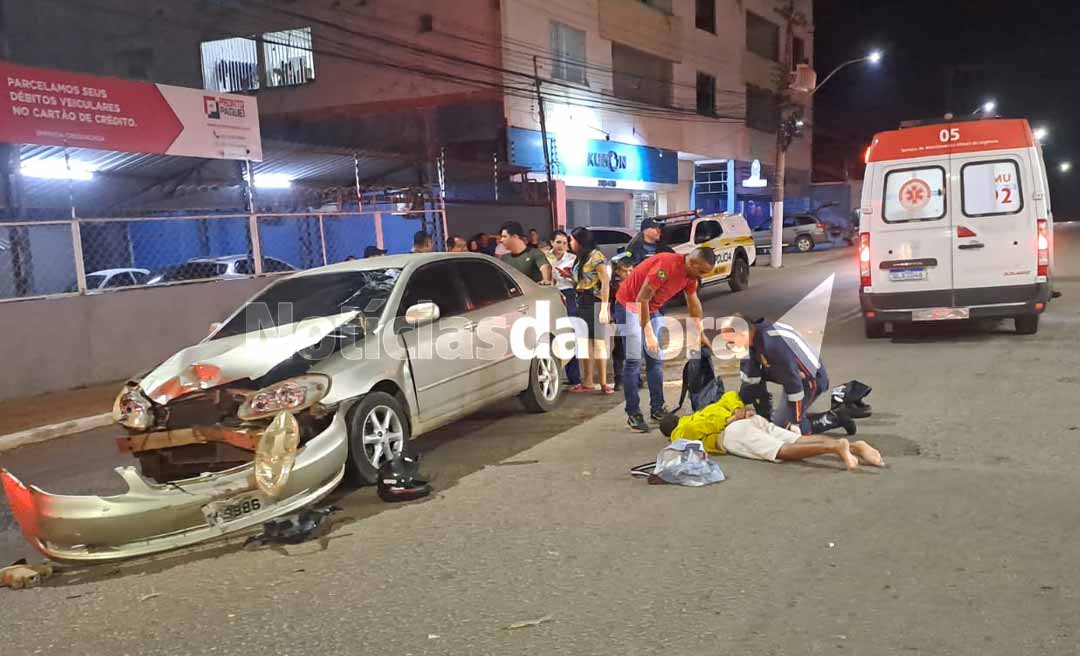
(1065, 167)
(1040, 134)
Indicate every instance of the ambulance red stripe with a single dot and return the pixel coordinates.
(950, 139)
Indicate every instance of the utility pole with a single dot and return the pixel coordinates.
(544, 139)
(785, 131)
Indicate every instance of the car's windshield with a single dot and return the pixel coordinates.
(324, 295)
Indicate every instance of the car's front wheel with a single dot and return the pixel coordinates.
(378, 431)
(804, 243)
(544, 384)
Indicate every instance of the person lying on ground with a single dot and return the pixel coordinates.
(730, 426)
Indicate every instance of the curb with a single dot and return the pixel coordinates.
(45, 433)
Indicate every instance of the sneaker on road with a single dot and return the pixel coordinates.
(637, 424)
(657, 415)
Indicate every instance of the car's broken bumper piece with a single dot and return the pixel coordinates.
(150, 517)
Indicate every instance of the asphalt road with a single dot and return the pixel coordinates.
(965, 544)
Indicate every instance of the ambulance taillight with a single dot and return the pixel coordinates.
(864, 259)
(1044, 248)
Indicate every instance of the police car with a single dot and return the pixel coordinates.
(730, 238)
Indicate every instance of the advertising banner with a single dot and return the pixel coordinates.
(593, 158)
(49, 107)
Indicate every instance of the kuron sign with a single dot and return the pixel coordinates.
(44, 106)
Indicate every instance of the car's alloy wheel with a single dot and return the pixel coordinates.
(805, 244)
(378, 430)
(544, 385)
(548, 378)
(383, 435)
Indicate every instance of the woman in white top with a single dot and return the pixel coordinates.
(562, 272)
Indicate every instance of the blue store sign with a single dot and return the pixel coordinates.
(593, 158)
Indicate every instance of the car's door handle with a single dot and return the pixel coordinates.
(971, 247)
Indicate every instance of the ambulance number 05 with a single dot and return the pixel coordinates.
(950, 134)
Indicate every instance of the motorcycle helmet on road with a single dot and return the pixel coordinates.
(399, 477)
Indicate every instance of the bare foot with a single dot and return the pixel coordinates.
(867, 454)
(850, 461)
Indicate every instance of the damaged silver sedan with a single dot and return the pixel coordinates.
(323, 374)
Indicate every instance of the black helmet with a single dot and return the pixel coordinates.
(399, 477)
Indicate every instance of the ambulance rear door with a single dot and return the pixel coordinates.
(994, 240)
(910, 230)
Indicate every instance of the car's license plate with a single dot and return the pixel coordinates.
(226, 511)
(941, 314)
(898, 275)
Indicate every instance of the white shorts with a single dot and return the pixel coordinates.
(756, 438)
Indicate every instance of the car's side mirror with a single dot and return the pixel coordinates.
(421, 313)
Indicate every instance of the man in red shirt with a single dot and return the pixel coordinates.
(637, 311)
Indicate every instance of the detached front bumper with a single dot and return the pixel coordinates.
(150, 517)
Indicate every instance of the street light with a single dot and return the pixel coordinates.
(1065, 167)
(874, 58)
(1040, 133)
(987, 107)
(789, 128)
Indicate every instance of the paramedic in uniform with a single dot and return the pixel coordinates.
(776, 353)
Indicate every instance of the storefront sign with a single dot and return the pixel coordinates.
(606, 161)
(44, 106)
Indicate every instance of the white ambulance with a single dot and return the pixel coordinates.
(955, 223)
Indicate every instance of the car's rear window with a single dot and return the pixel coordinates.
(991, 188)
(676, 234)
(324, 295)
(915, 194)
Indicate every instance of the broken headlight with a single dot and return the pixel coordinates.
(133, 410)
(276, 453)
(290, 395)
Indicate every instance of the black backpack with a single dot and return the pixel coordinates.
(699, 381)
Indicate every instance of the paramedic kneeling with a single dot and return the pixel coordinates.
(637, 313)
(776, 353)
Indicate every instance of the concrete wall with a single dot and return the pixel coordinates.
(61, 343)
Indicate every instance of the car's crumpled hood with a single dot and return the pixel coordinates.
(249, 355)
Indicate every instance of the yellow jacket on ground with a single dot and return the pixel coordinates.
(707, 425)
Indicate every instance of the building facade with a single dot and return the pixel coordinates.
(650, 106)
(653, 106)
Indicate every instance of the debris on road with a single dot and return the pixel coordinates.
(148, 597)
(20, 575)
(528, 623)
(295, 529)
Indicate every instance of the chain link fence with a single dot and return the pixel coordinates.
(87, 256)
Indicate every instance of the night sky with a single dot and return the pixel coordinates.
(1025, 54)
